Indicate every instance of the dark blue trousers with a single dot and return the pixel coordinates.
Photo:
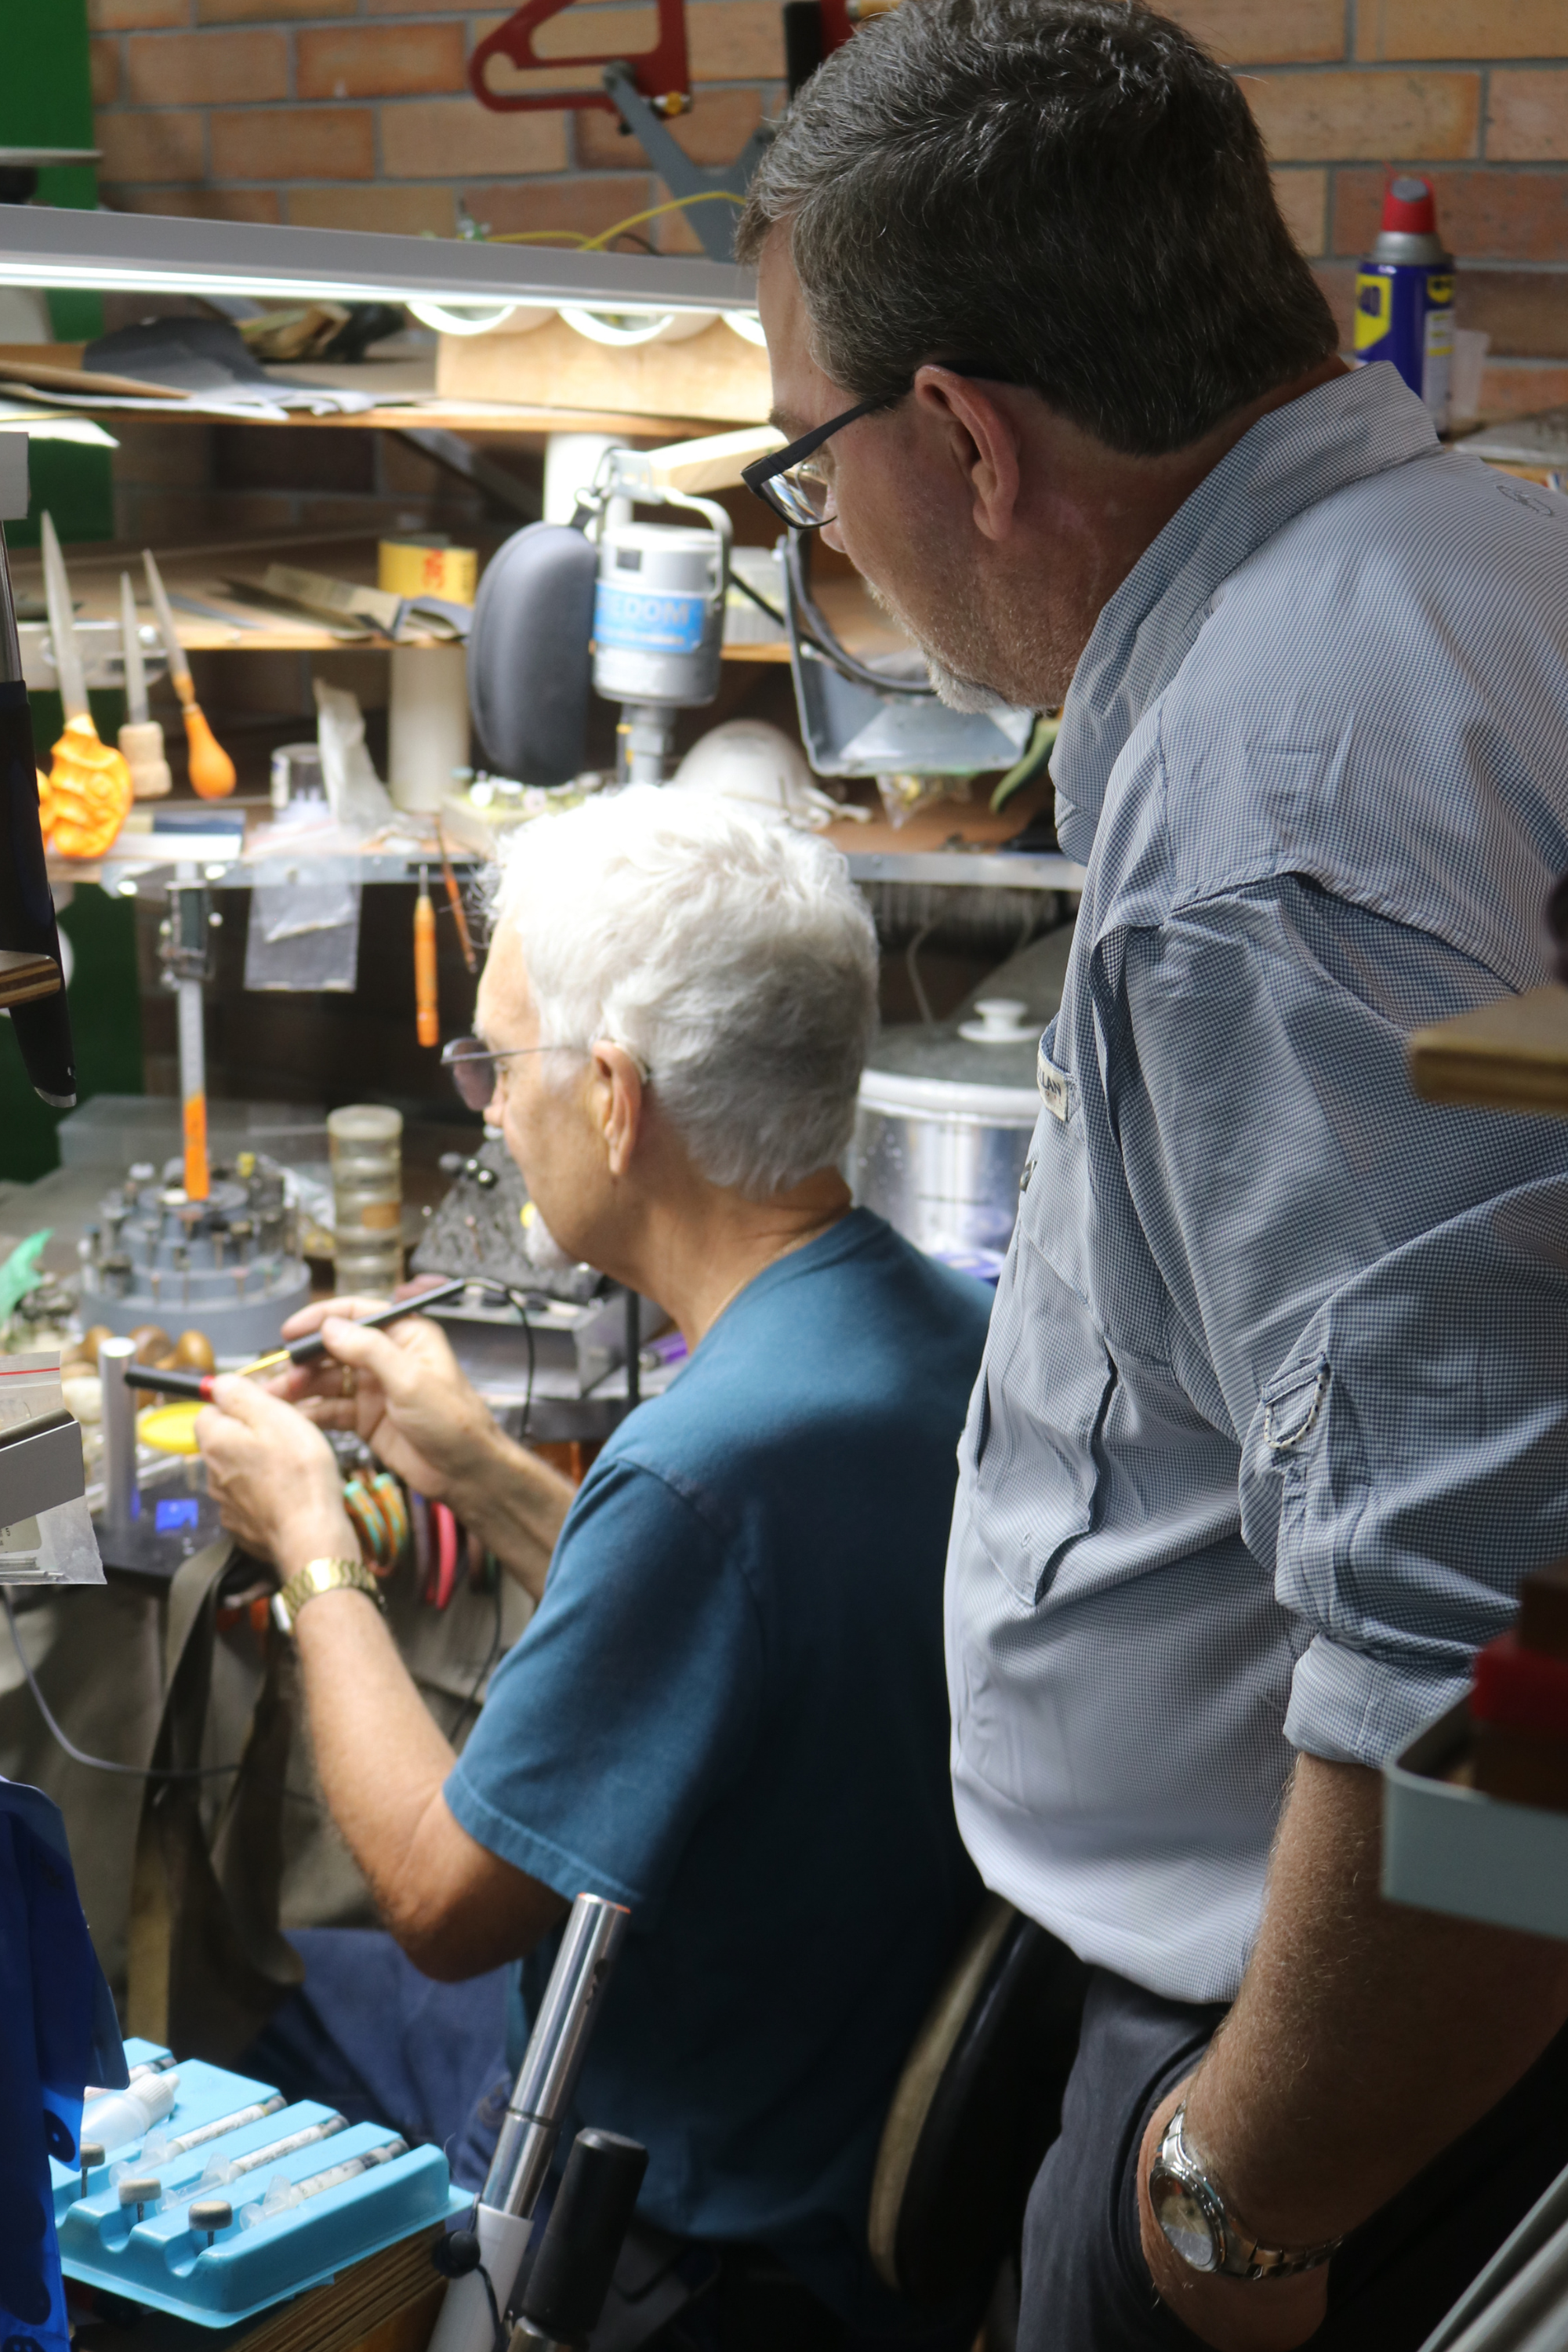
(367, 2033)
(1086, 2288)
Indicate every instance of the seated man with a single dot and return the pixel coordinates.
(728, 1711)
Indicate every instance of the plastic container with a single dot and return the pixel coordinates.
(121, 2116)
(365, 1143)
(1405, 295)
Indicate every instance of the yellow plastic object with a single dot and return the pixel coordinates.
(168, 1428)
(210, 769)
(413, 568)
(87, 795)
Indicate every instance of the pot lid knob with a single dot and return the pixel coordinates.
(1004, 1020)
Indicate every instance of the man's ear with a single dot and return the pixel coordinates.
(982, 443)
(619, 1084)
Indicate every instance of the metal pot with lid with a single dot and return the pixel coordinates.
(947, 1108)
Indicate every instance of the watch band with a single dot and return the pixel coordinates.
(320, 1576)
(1191, 2212)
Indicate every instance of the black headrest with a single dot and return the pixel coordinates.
(528, 667)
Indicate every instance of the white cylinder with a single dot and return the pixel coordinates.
(131, 2115)
(428, 723)
(570, 461)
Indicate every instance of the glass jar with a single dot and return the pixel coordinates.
(365, 1142)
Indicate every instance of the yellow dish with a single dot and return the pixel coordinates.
(168, 1428)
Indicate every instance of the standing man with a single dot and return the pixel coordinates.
(1271, 1418)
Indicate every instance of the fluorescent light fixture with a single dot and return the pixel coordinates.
(149, 253)
(622, 329)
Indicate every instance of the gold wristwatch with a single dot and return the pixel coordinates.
(320, 1576)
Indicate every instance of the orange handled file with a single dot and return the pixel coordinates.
(426, 1010)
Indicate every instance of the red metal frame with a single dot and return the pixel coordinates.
(660, 72)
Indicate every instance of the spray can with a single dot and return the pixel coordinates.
(1405, 295)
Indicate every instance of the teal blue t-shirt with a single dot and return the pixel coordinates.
(729, 1712)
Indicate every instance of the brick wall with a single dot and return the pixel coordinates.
(358, 115)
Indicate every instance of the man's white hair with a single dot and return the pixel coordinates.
(730, 954)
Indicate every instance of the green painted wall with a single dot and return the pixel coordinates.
(105, 1023)
(45, 100)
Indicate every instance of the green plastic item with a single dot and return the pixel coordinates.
(21, 1272)
(1036, 754)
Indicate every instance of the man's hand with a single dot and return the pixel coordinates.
(405, 1395)
(400, 1388)
(1233, 2315)
(273, 1477)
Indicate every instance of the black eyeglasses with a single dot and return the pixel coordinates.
(801, 493)
(797, 490)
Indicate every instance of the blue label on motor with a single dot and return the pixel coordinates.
(642, 621)
(176, 1511)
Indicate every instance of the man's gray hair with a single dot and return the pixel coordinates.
(1066, 195)
(731, 955)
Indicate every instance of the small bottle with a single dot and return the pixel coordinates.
(365, 1142)
(1405, 295)
(124, 2115)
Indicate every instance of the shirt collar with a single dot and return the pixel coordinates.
(1353, 426)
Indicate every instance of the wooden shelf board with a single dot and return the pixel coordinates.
(203, 571)
(1511, 1056)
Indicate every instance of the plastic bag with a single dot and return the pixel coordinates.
(358, 798)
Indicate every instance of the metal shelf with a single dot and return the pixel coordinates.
(967, 869)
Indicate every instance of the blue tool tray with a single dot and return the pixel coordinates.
(160, 2261)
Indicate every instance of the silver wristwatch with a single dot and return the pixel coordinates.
(1191, 2212)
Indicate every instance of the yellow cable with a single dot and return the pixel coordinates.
(608, 235)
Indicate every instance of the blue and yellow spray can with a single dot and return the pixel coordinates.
(1405, 295)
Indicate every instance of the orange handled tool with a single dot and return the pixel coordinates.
(426, 1010)
(210, 769)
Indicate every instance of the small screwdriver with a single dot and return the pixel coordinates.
(427, 1013)
(299, 1351)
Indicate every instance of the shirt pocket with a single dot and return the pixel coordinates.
(1047, 1377)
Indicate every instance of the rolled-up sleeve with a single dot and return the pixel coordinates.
(1380, 1284)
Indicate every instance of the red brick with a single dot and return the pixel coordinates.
(206, 68)
(718, 126)
(153, 146)
(1328, 117)
(243, 12)
(1483, 215)
(103, 64)
(394, 211)
(1282, 33)
(373, 61)
(294, 142)
(128, 16)
(1522, 387)
(588, 206)
(734, 40)
(1460, 28)
(1525, 311)
(202, 204)
(1527, 120)
(439, 139)
(1303, 198)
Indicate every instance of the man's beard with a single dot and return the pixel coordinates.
(956, 686)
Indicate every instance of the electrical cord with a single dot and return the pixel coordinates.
(79, 1755)
(759, 600)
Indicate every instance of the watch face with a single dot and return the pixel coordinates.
(1182, 2216)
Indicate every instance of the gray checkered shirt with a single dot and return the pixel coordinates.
(1272, 1420)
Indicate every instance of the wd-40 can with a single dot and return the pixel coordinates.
(1405, 295)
